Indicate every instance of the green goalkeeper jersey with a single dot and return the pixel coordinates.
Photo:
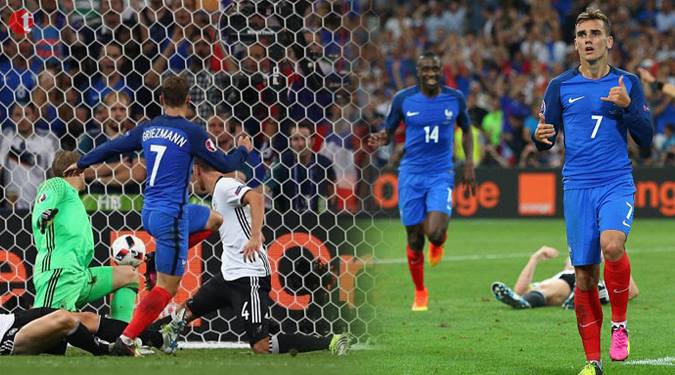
(68, 242)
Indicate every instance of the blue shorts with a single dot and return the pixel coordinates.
(419, 194)
(589, 212)
(171, 235)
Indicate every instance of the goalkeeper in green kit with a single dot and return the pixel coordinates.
(65, 244)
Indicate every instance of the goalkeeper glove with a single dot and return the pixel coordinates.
(46, 218)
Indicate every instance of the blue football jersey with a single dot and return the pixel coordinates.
(595, 130)
(169, 145)
(430, 127)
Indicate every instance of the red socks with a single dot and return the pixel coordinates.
(416, 266)
(617, 280)
(589, 320)
(198, 237)
(147, 311)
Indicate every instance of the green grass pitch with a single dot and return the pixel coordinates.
(465, 331)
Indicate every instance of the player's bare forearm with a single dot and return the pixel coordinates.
(469, 172)
(525, 278)
(257, 203)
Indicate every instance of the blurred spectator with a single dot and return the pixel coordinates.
(302, 181)
(338, 148)
(113, 117)
(25, 155)
(223, 130)
(666, 146)
(51, 34)
(206, 87)
(18, 73)
(110, 79)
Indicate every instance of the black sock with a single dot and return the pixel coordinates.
(83, 339)
(152, 338)
(535, 298)
(110, 329)
(301, 343)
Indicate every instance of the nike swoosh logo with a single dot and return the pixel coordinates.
(411, 114)
(588, 325)
(570, 100)
(620, 291)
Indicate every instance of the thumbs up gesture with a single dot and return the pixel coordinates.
(618, 95)
(544, 131)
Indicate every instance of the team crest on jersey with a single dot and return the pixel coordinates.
(210, 145)
(645, 108)
(448, 114)
(42, 198)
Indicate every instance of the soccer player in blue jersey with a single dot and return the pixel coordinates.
(169, 143)
(596, 105)
(426, 176)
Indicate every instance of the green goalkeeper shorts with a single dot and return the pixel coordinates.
(70, 289)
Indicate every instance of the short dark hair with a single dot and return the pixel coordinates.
(175, 91)
(429, 55)
(62, 160)
(595, 14)
(206, 167)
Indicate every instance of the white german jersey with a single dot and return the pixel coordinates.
(236, 230)
(6, 321)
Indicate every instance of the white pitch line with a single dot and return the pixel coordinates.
(665, 361)
(461, 258)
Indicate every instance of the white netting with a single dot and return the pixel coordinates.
(282, 71)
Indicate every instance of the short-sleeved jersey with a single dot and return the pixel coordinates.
(430, 127)
(595, 130)
(169, 145)
(236, 230)
(68, 242)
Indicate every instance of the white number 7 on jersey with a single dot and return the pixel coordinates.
(155, 166)
(598, 119)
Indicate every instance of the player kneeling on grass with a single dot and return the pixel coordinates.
(244, 282)
(557, 290)
(65, 245)
(46, 330)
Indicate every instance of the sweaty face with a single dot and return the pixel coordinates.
(429, 71)
(591, 40)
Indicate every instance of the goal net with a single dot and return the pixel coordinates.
(284, 72)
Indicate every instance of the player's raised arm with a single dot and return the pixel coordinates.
(204, 148)
(550, 118)
(132, 141)
(636, 115)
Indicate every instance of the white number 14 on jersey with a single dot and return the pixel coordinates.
(430, 134)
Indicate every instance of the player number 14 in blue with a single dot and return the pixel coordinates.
(430, 134)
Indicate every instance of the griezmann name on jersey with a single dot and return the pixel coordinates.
(169, 145)
(595, 130)
(430, 127)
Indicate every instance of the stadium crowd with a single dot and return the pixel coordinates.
(90, 70)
